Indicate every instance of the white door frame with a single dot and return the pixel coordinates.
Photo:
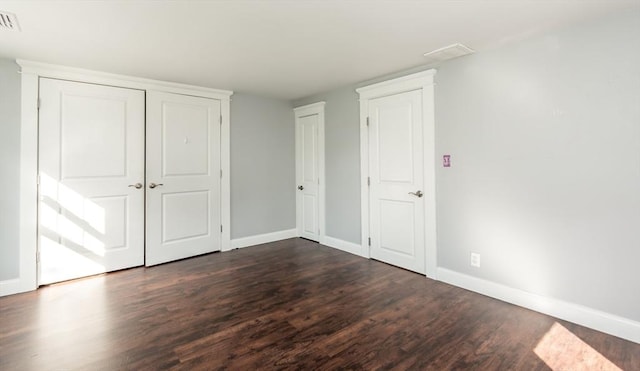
(423, 81)
(302, 111)
(31, 73)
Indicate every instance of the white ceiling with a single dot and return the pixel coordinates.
(283, 49)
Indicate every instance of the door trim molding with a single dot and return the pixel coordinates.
(28, 198)
(423, 81)
(124, 81)
(302, 111)
(31, 73)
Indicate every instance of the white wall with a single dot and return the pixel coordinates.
(9, 169)
(262, 166)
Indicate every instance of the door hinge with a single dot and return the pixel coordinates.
(38, 180)
(368, 181)
(369, 241)
(38, 256)
(367, 121)
(220, 120)
(39, 103)
(220, 173)
(220, 228)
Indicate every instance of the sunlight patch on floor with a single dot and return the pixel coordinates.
(562, 350)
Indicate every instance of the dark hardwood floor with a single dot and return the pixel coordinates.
(292, 304)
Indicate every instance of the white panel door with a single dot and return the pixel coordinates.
(91, 157)
(183, 176)
(397, 180)
(307, 174)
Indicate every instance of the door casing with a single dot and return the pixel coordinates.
(423, 81)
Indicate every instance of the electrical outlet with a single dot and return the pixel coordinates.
(475, 259)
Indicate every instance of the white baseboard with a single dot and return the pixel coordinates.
(581, 315)
(12, 286)
(343, 245)
(238, 243)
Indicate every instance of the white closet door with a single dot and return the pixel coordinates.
(183, 176)
(397, 180)
(91, 156)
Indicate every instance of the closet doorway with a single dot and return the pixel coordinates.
(127, 177)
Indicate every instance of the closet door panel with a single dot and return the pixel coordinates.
(183, 176)
(91, 156)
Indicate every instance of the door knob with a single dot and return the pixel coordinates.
(136, 186)
(153, 185)
(417, 193)
(300, 187)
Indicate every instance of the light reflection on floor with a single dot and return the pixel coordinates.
(562, 350)
(61, 308)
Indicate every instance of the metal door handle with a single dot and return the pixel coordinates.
(300, 187)
(136, 186)
(153, 185)
(417, 193)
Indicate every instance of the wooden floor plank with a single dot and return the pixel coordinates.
(291, 304)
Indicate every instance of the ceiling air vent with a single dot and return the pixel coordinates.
(8, 21)
(446, 53)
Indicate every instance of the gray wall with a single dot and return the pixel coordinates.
(544, 137)
(9, 169)
(342, 162)
(262, 166)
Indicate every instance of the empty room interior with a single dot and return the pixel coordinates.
(320, 185)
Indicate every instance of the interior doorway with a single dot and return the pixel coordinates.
(309, 134)
(398, 172)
